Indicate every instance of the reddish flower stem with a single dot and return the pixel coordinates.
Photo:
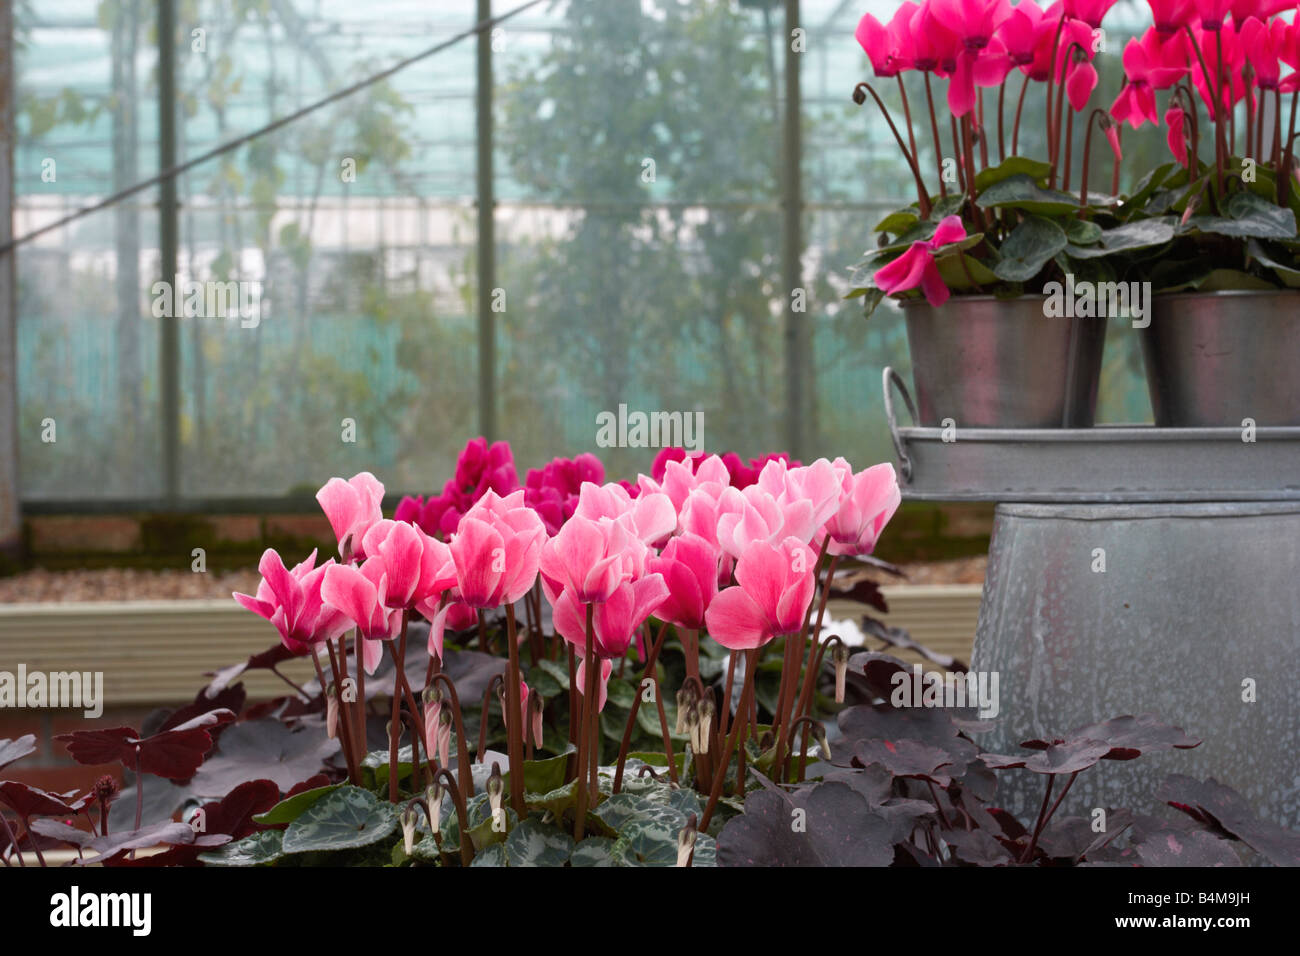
(648, 674)
(751, 664)
(514, 721)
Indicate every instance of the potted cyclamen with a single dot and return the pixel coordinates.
(1224, 337)
(1003, 231)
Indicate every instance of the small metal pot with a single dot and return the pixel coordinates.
(1217, 358)
(986, 362)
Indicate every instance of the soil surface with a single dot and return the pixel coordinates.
(129, 584)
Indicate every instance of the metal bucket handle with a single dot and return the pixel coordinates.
(904, 460)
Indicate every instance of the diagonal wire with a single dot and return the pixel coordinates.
(271, 127)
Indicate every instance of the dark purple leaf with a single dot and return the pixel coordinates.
(835, 828)
(905, 758)
(267, 659)
(1129, 737)
(1212, 803)
(1179, 848)
(230, 698)
(1070, 756)
(977, 848)
(11, 750)
(897, 637)
(263, 750)
(32, 802)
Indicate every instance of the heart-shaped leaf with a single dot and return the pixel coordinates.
(264, 750)
(1031, 245)
(532, 844)
(1021, 192)
(1142, 234)
(348, 818)
(253, 850)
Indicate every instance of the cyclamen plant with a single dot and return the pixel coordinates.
(1218, 216)
(702, 579)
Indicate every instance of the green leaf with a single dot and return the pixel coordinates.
(646, 843)
(1142, 234)
(1288, 274)
(494, 855)
(286, 811)
(1149, 183)
(1248, 215)
(1011, 166)
(621, 693)
(1031, 245)
(345, 819)
(954, 276)
(593, 851)
(1229, 280)
(1021, 192)
(545, 775)
(946, 206)
(898, 221)
(533, 844)
(1082, 232)
(255, 849)
(559, 672)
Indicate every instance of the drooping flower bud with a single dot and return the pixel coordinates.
(495, 789)
(819, 735)
(705, 711)
(444, 738)
(685, 698)
(409, 818)
(536, 710)
(686, 841)
(433, 802)
(331, 711)
(840, 658)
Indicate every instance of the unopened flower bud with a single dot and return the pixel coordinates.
(433, 801)
(705, 711)
(686, 841)
(331, 712)
(409, 819)
(685, 700)
(840, 658)
(495, 788)
(106, 789)
(536, 710)
(819, 735)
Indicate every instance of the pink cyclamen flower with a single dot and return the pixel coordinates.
(1213, 13)
(352, 506)
(1176, 137)
(590, 558)
(887, 46)
(1146, 73)
(916, 267)
(974, 22)
(418, 567)
(1170, 16)
(689, 566)
(614, 621)
(481, 467)
(1263, 46)
(1091, 12)
(291, 600)
(774, 588)
(868, 501)
(496, 550)
(649, 516)
(362, 595)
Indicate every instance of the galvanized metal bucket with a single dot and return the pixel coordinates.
(1218, 358)
(1095, 611)
(985, 362)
